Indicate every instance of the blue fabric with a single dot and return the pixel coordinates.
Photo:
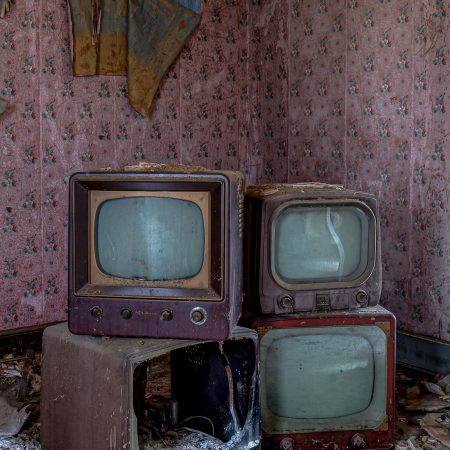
(139, 38)
(194, 5)
(157, 31)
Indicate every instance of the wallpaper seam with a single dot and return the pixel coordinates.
(288, 101)
(179, 137)
(41, 155)
(246, 114)
(411, 162)
(345, 156)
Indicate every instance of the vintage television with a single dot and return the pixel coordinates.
(327, 380)
(310, 247)
(139, 394)
(153, 251)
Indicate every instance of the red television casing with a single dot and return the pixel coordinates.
(380, 438)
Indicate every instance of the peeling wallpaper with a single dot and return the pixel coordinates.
(352, 92)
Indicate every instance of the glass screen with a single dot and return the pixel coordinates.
(149, 238)
(323, 378)
(320, 243)
(321, 373)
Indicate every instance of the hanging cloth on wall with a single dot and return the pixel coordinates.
(138, 38)
(99, 37)
(157, 31)
(5, 6)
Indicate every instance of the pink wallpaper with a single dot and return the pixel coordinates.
(353, 92)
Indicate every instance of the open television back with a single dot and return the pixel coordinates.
(160, 394)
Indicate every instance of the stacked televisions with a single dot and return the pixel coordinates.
(155, 251)
(312, 283)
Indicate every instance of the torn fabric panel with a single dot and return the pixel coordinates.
(99, 37)
(138, 38)
(157, 31)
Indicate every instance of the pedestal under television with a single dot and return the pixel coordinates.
(122, 393)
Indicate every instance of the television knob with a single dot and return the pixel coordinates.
(96, 312)
(198, 316)
(126, 313)
(358, 441)
(286, 302)
(362, 298)
(166, 315)
(287, 444)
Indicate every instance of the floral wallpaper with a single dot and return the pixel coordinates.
(368, 98)
(341, 91)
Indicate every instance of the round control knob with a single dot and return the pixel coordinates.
(166, 315)
(358, 441)
(286, 302)
(126, 313)
(362, 298)
(198, 316)
(287, 444)
(96, 312)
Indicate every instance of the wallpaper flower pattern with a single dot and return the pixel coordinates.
(340, 91)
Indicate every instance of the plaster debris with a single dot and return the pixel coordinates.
(413, 444)
(438, 427)
(189, 439)
(445, 384)
(428, 403)
(26, 440)
(19, 393)
(11, 373)
(433, 388)
(423, 412)
(11, 419)
(184, 439)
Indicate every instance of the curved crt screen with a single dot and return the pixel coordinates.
(149, 238)
(323, 378)
(320, 243)
(348, 380)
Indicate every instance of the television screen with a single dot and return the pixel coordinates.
(149, 238)
(323, 378)
(311, 247)
(320, 243)
(152, 252)
(327, 380)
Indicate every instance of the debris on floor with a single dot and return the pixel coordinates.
(11, 419)
(184, 439)
(20, 385)
(423, 410)
(438, 427)
(26, 440)
(422, 416)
